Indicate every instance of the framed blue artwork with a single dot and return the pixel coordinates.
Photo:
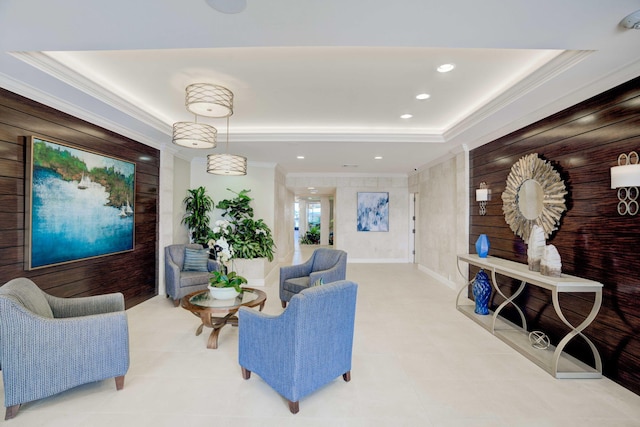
(79, 204)
(373, 211)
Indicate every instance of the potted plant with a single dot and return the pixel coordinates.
(198, 205)
(224, 284)
(248, 238)
(312, 237)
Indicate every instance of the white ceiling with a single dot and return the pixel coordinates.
(323, 79)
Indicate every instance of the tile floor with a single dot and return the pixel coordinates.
(417, 361)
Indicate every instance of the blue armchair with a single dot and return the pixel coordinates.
(179, 282)
(305, 347)
(330, 265)
(51, 344)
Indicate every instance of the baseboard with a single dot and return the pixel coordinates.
(448, 283)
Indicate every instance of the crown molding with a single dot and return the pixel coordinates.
(44, 98)
(47, 64)
(50, 66)
(319, 136)
(547, 72)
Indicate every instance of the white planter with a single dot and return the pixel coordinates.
(254, 270)
(223, 293)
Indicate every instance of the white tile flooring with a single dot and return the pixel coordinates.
(417, 361)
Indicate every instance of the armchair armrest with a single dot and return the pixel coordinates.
(333, 274)
(85, 306)
(171, 274)
(298, 270)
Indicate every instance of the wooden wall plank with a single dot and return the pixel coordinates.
(583, 143)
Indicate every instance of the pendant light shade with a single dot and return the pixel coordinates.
(209, 100)
(226, 164)
(194, 135)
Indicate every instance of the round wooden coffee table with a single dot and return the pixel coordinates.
(215, 313)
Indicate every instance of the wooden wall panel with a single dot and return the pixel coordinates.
(583, 143)
(132, 273)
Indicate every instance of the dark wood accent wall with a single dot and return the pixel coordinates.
(132, 273)
(583, 143)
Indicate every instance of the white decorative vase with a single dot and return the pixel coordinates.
(223, 293)
(535, 248)
(551, 264)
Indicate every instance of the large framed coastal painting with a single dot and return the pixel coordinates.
(80, 204)
(373, 211)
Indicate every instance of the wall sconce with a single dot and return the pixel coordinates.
(483, 194)
(626, 178)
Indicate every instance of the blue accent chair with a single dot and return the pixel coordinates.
(305, 347)
(178, 282)
(330, 265)
(50, 344)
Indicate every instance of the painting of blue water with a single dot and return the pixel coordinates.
(73, 216)
(373, 211)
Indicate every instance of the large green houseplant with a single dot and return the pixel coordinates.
(248, 238)
(198, 205)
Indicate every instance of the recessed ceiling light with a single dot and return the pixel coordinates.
(445, 68)
(422, 96)
(377, 158)
(406, 116)
(300, 157)
(311, 188)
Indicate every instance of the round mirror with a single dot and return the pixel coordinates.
(534, 195)
(530, 199)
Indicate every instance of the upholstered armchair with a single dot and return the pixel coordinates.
(307, 346)
(50, 344)
(330, 265)
(181, 278)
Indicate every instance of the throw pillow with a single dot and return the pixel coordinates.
(195, 259)
(318, 282)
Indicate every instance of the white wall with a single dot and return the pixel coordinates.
(284, 220)
(443, 222)
(391, 246)
(181, 179)
(260, 179)
(165, 216)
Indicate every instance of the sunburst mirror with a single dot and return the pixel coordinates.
(534, 195)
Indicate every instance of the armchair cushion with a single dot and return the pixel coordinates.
(196, 259)
(297, 284)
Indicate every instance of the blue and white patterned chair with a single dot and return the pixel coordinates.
(50, 344)
(330, 265)
(307, 346)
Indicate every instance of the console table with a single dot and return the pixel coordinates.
(553, 359)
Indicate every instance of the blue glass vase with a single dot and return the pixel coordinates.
(482, 246)
(481, 292)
